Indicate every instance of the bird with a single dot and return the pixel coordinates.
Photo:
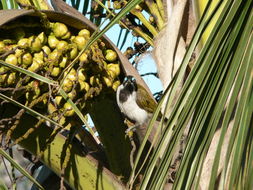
(135, 102)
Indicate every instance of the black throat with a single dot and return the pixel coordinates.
(128, 89)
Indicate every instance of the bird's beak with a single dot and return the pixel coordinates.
(127, 82)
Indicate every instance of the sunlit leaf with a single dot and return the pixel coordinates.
(4, 4)
(202, 102)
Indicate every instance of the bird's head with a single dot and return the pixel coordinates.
(130, 84)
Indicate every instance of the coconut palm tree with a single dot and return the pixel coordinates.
(203, 55)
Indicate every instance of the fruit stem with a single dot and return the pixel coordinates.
(144, 21)
(160, 8)
(136, 30)
(142, 34)
(155, 12)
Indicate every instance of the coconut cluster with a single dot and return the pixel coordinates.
(48, 51)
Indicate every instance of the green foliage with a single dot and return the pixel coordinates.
(2, 186)
(219, 86)
(216, 95)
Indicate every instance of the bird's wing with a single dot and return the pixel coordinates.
(145, 101)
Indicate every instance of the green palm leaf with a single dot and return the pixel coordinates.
(218, 71)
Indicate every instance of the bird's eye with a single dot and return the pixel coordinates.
(125, 79)
(129, 78)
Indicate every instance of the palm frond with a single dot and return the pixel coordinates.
(221, 74)
(4, 4)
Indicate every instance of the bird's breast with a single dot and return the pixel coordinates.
(133, 111)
